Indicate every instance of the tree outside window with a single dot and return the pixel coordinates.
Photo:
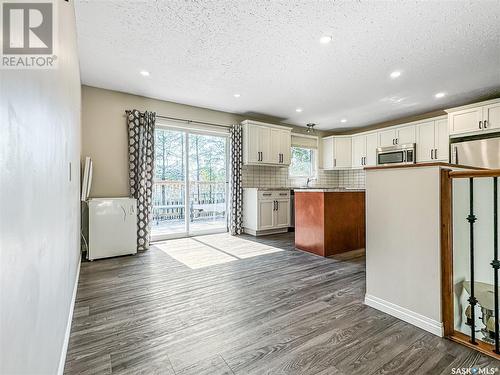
(303, 163)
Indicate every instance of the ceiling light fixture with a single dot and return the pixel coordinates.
(439, 95)
(298, 110)
(343, 120)
(236, 95)
(325, 39)
(144, 73)
(395, 74)
(310, 128)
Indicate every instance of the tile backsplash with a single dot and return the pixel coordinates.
(269, 177)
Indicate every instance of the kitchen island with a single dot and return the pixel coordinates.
(329, 221)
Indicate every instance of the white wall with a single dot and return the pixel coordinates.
(39, 207)
(403, 258)
(105, 136)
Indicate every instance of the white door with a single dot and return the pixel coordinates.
(406, 135)
(275, 146)
(328, 153)
(358, 150)
(343, 152)
(425, 141)
(371, 149)
(252, 143)
(387, 138)
(266, 214)
(465, 121)
(441, 141)
(265, 144)
(190, 188)
(282, 213)
(491, 116)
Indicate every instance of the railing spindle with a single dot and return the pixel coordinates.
(472, 299)
(495, 263)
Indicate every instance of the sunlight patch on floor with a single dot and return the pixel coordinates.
(210, 250)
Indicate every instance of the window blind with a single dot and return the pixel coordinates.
(304, 141)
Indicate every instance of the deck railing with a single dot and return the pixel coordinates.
(207, 200)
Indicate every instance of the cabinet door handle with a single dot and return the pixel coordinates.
(480, 124)
(334, 162)
(277, 206)
(435, 153)
(393, 141)
(485, 124)
(432, 153)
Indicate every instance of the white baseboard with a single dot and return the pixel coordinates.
(421, 321)
(64, 350)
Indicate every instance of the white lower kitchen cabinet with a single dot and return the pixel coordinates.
(265, 211)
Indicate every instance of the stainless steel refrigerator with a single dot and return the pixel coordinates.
(476, 152)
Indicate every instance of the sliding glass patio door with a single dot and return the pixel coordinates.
(190, 191)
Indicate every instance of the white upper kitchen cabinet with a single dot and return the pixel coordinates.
(387, 138)
(475, 118)
(397, 136)
(432, 141)
(425, 141)
(491, 116)
(364, 150)
(405, 135)
(328, 154)
(266, 144)
(358, 151)
(371, 150)
(442, 140)
(337, 152)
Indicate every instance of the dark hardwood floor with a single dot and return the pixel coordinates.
(232, 311)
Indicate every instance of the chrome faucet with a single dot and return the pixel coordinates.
(309, 179)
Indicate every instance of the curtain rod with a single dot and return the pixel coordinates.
(188, 121)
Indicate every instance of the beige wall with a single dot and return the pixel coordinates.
(104, 136)
(39, 207)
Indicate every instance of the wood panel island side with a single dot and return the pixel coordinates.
(329, 221)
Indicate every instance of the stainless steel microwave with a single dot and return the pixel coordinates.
(398, 154)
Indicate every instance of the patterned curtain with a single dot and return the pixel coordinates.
(236, 218)
(141, 128)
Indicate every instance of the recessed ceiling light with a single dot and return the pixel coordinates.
(325, 39)
(395, 74)
(439, 95)
(144, 73)
(298, 110)
(236, 95)
(343, 120)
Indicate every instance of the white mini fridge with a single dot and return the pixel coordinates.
(112, 227)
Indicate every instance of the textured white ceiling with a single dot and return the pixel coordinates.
(202, 52)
